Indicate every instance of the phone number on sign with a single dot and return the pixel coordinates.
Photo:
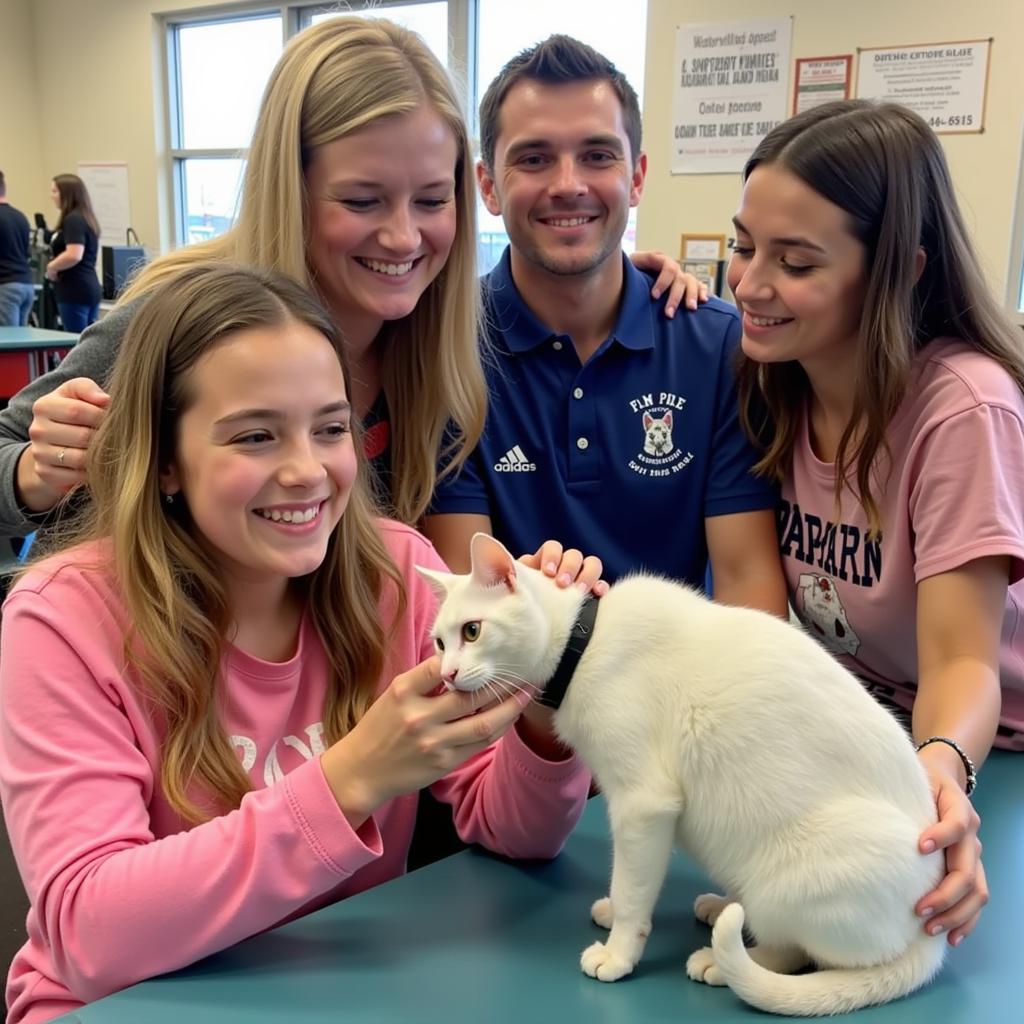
(952, 121)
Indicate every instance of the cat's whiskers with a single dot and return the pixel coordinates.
(493, 690)
(514, 682)
(506, 688)
(509, 676)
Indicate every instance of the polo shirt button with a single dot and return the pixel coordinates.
(557, 346)
(577, 393)
(582, 443)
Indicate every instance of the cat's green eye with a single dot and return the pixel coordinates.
(438, 643)
(470, 631)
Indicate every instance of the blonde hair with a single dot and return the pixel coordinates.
(882, 165)
(171, 588)
(333, 79)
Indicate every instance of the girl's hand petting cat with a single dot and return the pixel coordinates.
(410, 737)
(956, 904)
(568, 566)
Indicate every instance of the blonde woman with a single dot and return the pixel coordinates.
(218, 699)
(359, 184)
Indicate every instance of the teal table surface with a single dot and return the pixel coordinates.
(477, 939)
(24, 339)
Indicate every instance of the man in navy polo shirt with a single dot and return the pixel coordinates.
(610, 427)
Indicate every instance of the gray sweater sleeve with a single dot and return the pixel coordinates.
(92, 357)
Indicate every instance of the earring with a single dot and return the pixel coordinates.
(169, 498)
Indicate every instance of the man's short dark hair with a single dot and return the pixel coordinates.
(558, 60)
(3, 184)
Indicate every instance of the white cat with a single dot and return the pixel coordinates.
(736, 736)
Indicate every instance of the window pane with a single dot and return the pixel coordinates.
(430, 20)
(506, 28)
(211, 196)
(223, 68)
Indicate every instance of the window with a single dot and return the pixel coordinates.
(429, 19)
(1015, 272)
(218, 73)
(218, 68)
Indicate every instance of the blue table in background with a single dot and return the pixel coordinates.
(28, 352)
(475, 939)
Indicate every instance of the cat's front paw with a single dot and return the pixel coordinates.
(599, 962)
(601, 912)
(700, 966)
(708, 906)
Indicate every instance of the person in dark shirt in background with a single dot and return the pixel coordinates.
(75, 245)
(16, 291)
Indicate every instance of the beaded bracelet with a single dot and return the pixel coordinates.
(972, 775)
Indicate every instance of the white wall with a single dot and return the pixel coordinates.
(21, 158)
(984, 166)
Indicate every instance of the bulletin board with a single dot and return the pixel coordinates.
(107, 184)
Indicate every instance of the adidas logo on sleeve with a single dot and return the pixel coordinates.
(514, 461)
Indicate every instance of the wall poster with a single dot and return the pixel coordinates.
(731, 88)
(946, 83)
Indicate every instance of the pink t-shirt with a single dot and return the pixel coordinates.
(121, 888)
(955, 493)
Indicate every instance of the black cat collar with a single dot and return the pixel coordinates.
(579, 637)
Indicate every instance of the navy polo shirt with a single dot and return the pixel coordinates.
(623, 457)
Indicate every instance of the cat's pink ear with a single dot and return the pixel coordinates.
(492, 564)
(439, 581)
(667, 418)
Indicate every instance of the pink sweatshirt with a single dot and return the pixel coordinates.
(955, 493)
(121, 888)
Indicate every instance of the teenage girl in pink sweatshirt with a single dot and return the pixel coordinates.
(218, 700)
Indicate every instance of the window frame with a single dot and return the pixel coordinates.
(1015, 270)
(178, 154)
(462, 17)
(463, 23)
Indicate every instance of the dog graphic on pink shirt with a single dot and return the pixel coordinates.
(820, 608)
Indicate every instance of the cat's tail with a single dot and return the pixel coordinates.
(824, 992)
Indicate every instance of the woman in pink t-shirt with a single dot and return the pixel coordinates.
(886, 386)
(218, 699)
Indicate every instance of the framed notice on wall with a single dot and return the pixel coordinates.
(820, 80)
(730, 88)
(708, 272)
(946, 83)
(702, 247)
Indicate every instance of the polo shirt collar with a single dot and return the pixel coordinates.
(522, 331)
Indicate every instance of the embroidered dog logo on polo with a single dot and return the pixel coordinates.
(662, 454)
(658, 434)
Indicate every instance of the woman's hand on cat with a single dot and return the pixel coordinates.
(567, 566)
(681, 287)
(955, 905)
(410, 737)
